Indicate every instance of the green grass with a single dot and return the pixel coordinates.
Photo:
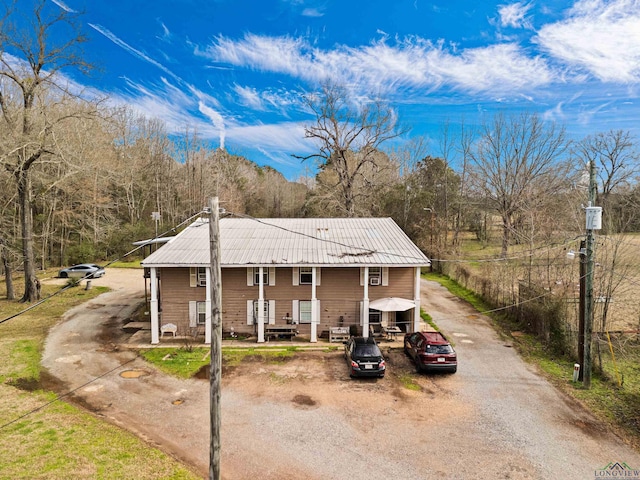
(58, 440)
(408, 382)
(179, 362)
(459, 291)
(123, 264)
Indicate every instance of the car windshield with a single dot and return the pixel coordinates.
(439, 349)
(367, 351)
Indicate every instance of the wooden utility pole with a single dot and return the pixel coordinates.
(588, 301)
(215, 373)
(581, 320)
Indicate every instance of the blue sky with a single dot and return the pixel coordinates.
(235, 69)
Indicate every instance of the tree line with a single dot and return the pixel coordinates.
(81, 178)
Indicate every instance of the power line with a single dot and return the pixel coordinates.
(60, 397)
(88, 276)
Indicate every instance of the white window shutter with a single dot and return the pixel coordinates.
(296, 311)
(318, 269)
(385, 276)
(362, 276)
(193, 314)
(193, 277)
(272, 312)
(249, 312)
(318, 312)
(272, 276)
(249, 276)
(295, 280)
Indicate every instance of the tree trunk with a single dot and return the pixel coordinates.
(6, 265)
(31, 283)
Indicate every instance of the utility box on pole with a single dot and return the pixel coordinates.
(594, 218)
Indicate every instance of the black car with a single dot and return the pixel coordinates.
(364, 357)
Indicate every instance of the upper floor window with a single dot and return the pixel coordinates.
(375, 275)
(256, 276)
(202, 276)
(306, 275)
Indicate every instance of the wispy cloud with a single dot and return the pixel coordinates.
(413, 62)
(599, 37)
(64, 6)
(141, 55)
(515, 15)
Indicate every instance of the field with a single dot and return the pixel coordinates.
(41, 435)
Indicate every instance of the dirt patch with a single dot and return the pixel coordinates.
(304, 400)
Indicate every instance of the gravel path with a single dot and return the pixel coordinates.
(304, 417)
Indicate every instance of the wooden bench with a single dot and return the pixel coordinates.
(277, 331)
(338, 334)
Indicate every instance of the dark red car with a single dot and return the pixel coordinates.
(431, 351)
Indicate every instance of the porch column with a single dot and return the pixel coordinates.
(416, 299)
(365, 305)
(207, 322)
(315, 314)
(261, 307)
(155, 327)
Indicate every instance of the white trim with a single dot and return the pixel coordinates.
(155, 323)
(272, 312)
(250, 312)
(295, 308)
(193, 314)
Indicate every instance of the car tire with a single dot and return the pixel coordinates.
(454, 370)
(418, 366)
(63, 275)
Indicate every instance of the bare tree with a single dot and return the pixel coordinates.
(616, 159)
(27, 87)
(517, 163)
(349, 139)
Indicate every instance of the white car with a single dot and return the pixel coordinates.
(83, 270)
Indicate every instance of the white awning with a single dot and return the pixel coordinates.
(392, 304)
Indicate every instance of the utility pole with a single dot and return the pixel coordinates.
(593, 216)
(215, 373)
(581, 314)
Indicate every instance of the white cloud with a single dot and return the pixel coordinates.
(599, 37)
(312, 12)
(141, 55)
(64, 6)
(515, 15)
(381, 67)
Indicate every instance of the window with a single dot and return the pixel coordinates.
(306, 275)
(256, 276)
(375, 275)
(202, 276)
(198, 276)
(256, 310)
(201, 312)
(305, 311)
(375, 316)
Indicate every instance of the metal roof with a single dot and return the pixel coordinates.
(293, 242)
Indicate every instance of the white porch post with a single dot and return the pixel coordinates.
(365, 305)
(261, 307)
(416, 299)
(207, 331)
(155, 327)
(315, 314)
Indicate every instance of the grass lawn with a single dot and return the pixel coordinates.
(47, 439)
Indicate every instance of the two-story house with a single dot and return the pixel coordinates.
(314, 273)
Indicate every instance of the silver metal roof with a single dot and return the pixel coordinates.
(294, 242)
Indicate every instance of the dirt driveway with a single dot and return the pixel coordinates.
(304, 418)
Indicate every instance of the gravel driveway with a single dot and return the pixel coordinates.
(304, 418)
